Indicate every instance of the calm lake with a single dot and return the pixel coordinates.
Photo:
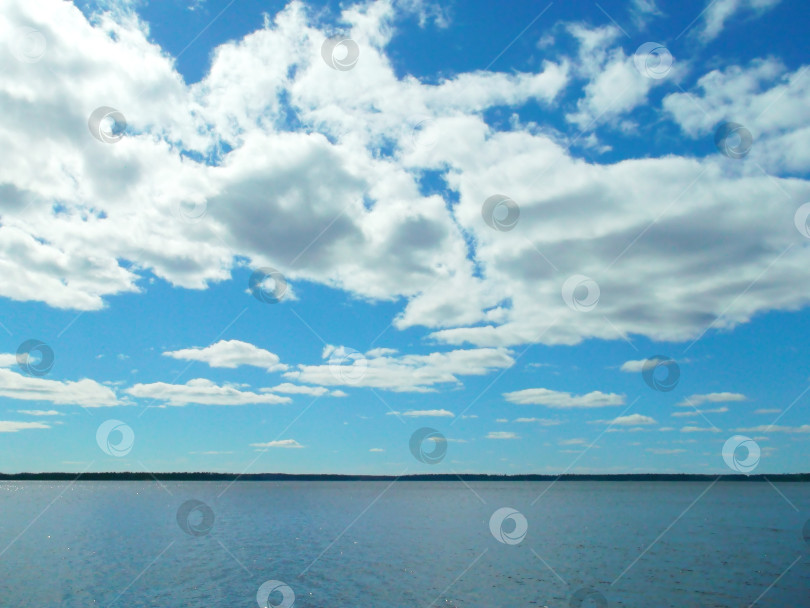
(378, 544)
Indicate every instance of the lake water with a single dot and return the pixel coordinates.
(405, 544)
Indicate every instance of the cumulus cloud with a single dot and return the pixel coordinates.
(765, 428)
(718, 12)
(201, 391)
(541, 421)
(281, 443)
(230, 354)
(275, 124)
(85, 392)
(423, 414)
(725, 397)
(502, 435)
(11, 426)
(405, 373)
(41, 412)
(563, 400)
(632, 420)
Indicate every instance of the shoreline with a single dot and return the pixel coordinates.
(199, 476)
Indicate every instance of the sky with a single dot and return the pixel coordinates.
(394, 237)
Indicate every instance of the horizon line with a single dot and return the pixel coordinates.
(211, 476)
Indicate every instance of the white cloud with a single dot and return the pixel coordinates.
(281, 443)
(698, 429)
(423, 414)
(41, 412)
(541, 421)
(694, 224)
(633, 420)
(718, 12)
(376, 450)
(10, 426)
(766, 99)
(615, 86)
(502, 435)
(416, 373)
(230, 354)
(695, 400)
(85, 392)
(201, 391)
(692, 413)
(772, 410)
(563, 400)
(576, 441)
(297, 389)
(764, 428)
(634, 366)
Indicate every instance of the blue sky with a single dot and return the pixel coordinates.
(406, 305)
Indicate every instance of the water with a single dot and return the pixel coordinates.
(407, 544)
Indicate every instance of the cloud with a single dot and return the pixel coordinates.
(9, 426)
(573, 442)
(767, 100)
(698, 429)
(423, 414)
(406, 373)
(764, 428)
(230, 354)
(297, 389)
(376, 450)
(541, 421)
(633, 420)
(201, 391)
(691, 413)
(655, 224)
(281, 443)
(772, 410)
(40, 412)
(502, 435)
(695, 400)
(634, 366)
(562, 400)
(428, 413)
(85, 392)
(718, 12)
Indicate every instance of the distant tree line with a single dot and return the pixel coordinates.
(202, 476)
